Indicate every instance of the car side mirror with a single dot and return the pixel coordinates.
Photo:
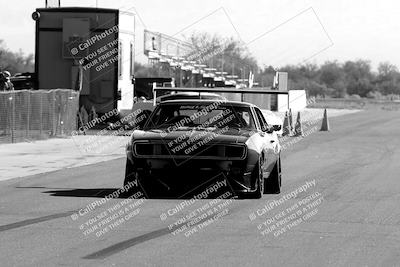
(271, 128)
(268, 129)
(277, 128)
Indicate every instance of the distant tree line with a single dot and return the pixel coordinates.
(15, 62)
(349, 79)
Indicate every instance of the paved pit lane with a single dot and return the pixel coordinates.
(339, 206)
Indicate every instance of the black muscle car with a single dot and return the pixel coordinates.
(186, 143)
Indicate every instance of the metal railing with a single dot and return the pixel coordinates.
(37, 114)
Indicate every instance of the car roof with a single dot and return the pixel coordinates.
(194, 93)
(190, 95)
(183, 94)
(207, 101)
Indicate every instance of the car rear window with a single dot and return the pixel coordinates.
(201, 115)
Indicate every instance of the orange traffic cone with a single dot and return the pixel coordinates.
(287, 129)
(298, 129)
(325, 122)
(290, 118)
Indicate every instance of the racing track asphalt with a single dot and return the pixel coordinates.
(355, 167)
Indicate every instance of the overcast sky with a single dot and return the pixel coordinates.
(276, 32)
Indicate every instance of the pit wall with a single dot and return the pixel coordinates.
(262, 101)
(297, 101)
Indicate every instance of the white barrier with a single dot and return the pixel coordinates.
(297, 101)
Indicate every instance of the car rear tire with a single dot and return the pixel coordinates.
(274, 182)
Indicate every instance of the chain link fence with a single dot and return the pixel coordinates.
(40, 114)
